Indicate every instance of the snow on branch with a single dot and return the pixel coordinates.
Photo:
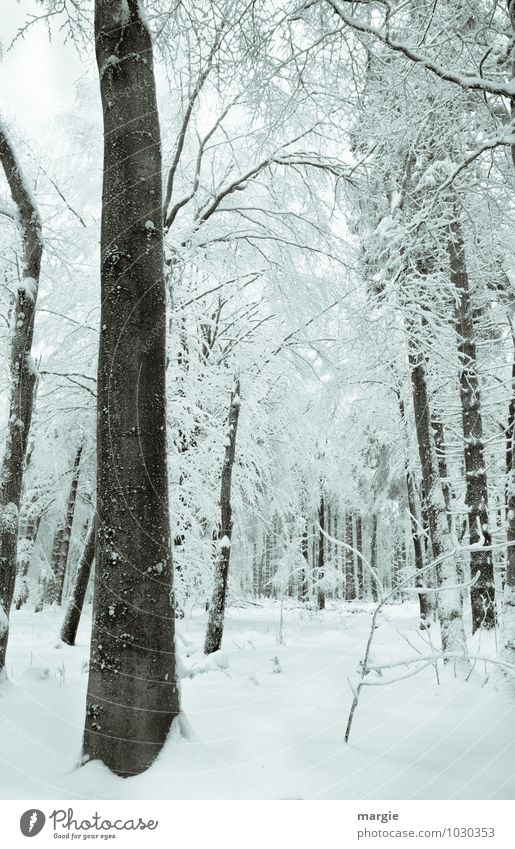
(468, 82)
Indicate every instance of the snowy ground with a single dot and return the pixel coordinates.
(271, 724)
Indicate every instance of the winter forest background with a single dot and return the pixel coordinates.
(257, 317)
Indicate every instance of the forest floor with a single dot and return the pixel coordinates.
(267, 721)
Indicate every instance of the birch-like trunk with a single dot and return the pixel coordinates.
(132, 696)
(215, 622)
(22, 380)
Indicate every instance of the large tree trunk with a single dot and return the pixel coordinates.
(80, 585)
(482, 594)
(449, 597)
(215, 622)
(22, 381)
(132, 695)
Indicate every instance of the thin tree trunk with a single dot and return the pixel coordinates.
(61, 544)
(350, 589)
(22, 381)
(321, 555)
(482, 594)
(417, 531)
(215, 622)
(510, 427)
(359, 548)
(132, 695)
(508, 617)
(304, 545)
(373, 557)
(80, 585)
(448, 597)
(439, 435)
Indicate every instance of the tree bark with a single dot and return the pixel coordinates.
(373, 557)
(448, 597)
(321, 554)
(350, 587)
(304, 545)
(22, 381)
(482, 594)
(417, 531)
(132, 695)
(78, 593)
(439, 435)
(508, 610)
(359, 547)
(215, 622)
(61, 544)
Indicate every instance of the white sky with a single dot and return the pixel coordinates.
(37, 77)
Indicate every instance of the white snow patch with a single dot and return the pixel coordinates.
(125, 13)
(263, 736)
(28, 288)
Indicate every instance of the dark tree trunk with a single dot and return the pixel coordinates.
(417, 531)
(304, 544)
(61, 545)
(22, 382)
(373, 557)
(321, 555)
(508, 618)
(132, 695)
(350, 587)
(421, 578)
(439, 435)
(359, 548)
(482, 594)
(510, 427)
(337, 556)
(449, 597)
(215, 622)
(78, 593)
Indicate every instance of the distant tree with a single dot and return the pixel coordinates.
(22, 377)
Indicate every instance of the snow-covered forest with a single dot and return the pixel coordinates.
(257, 378)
